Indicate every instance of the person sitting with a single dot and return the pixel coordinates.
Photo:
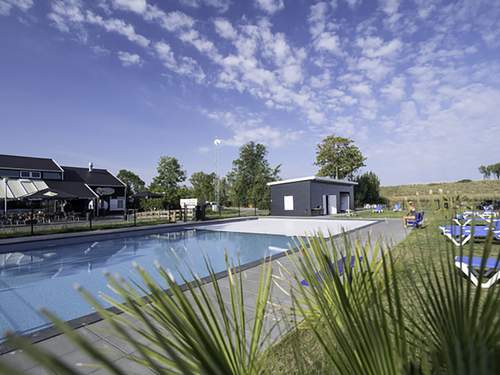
(410, 216)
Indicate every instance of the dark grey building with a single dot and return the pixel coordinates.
(311, 196)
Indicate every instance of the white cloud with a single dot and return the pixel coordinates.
(328, 41)
(395, 90)
(138, 6)
(70, 13)
(183, 66)
(375, 47)
(390, 6)
(129, 59)
(270, 6)
(221, 5)
(361, 89)
(246, 126)
(374, 69)
(118, 26)
(7, 5)
(225, 29)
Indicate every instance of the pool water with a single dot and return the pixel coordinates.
(46, 277)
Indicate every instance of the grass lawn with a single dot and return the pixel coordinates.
(420, 246)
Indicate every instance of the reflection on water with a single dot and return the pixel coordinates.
(45, 277)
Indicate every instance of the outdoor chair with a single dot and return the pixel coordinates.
(471, 268)
(418, 222)
(397, 208)
(378, 209)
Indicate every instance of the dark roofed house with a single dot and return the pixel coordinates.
(13, 166)
(22, 176)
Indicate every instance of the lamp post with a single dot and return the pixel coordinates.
(5, 197)
(217, 142)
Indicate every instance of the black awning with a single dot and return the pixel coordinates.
(78, 189)
(50, 194)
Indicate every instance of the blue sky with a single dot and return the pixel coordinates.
(121, 82)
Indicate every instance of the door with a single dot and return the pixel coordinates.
(344, 202)
(332, 204)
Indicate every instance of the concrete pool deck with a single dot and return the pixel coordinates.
(391, 230)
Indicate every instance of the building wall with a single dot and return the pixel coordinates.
(307, 195)
(318, 189)
(301, 199)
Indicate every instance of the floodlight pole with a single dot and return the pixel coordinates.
(5, 198)
(217, 142)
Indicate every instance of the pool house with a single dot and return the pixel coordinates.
(311, 196)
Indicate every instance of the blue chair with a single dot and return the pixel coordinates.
(417, 222)
(378, 209)
(458, 234)
(340, 267)
(471, 266)
(397, 207)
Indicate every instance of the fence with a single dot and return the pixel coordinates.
(29, 223)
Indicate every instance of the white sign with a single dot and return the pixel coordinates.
(104, 191)
(189, 202)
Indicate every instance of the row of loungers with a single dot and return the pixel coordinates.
(484, 224)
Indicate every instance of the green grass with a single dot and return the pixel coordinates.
(419, 247)
(475, 190)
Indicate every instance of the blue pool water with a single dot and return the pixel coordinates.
(46, 277)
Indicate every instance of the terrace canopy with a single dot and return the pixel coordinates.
(20, 188)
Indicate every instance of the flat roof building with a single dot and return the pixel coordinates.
(311, 196)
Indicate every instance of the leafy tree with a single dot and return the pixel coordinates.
(485, 171)
(170, 176)
(134, 183)
(250, 174)
(495, 169)
(204, 185)
(338, 157)
(367, 190)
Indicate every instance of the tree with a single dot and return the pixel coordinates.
(367, 190)
(249, 177)
(495, 169)
(338, 157)
(485, 171)
(204, 185)
(170, 176)
(134, 183)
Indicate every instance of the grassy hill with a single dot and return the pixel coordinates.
(475, 190)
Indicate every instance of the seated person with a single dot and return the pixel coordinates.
(411, 215)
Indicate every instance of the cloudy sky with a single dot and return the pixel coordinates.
(415, 83)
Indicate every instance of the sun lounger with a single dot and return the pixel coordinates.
(340, 267)
(378, 209)
(397, 207)
(471, 267)
(461, 234)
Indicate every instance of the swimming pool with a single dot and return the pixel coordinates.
(39, 278)
(45, 277)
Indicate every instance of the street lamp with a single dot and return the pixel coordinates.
(217, 142)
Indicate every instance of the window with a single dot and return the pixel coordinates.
(9, 173)
(31, 174)
(51, 175)
(288, 201)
